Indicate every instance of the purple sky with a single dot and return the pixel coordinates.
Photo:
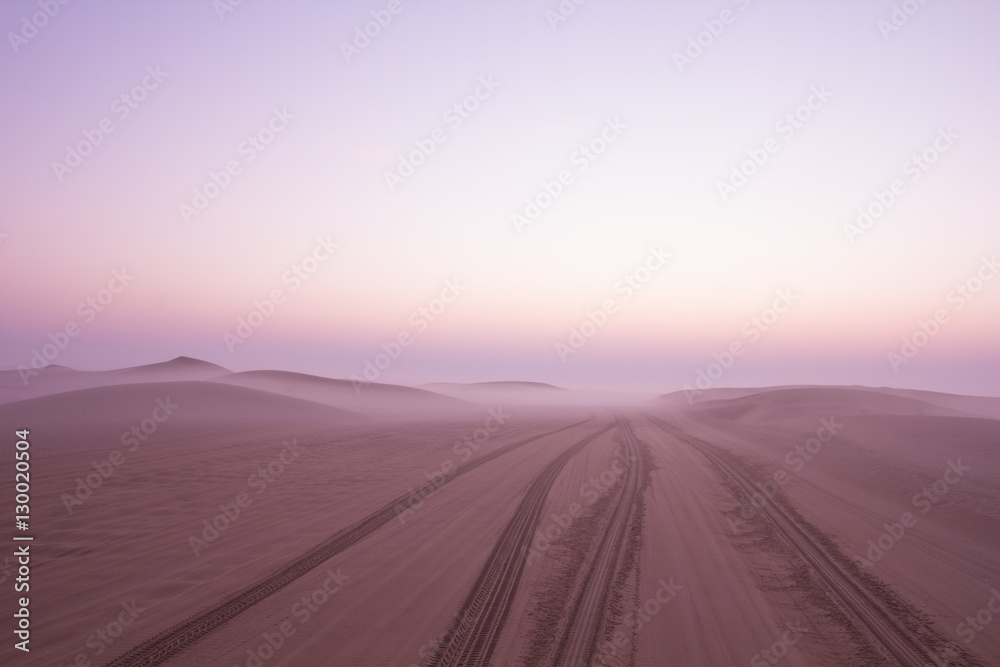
(745, 160)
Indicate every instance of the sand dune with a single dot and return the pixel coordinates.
(264, 522)
(100, 416)
(532, 394)
(983, 406)
(374, 398)
(474, 387)
(178, 368)
(776, 403)
(54, 379)
(505, 392)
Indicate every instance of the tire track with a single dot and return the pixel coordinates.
(864, 606)
(471, 640)
(170, 642)
(946, 554)
(942, 551)
(581, 632)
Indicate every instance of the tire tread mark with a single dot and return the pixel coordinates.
(473, 636)
(942, 552)
(864, 606)
(163, 646)
(584, 620)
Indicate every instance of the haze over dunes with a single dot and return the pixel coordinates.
(516, 333)
(781, 519)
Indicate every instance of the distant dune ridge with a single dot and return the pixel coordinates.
(98, 417)
(368, 398)
(54, 379)
(383, 397)
(499, 384)
(508, 392)
(864, 399)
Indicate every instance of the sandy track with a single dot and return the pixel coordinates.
(472, 638)
(172, 641)
(863, 605)
(578, 639)
(943, 552)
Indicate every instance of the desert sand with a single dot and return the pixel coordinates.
(186, 515)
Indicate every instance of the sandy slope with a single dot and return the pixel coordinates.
(54, 379)
(867, 476)
(131, 538)
(103, 418)
(565, 534)
(374, 398)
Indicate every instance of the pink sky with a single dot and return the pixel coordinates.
(197, 86)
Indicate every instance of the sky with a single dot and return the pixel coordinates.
(629, 195)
